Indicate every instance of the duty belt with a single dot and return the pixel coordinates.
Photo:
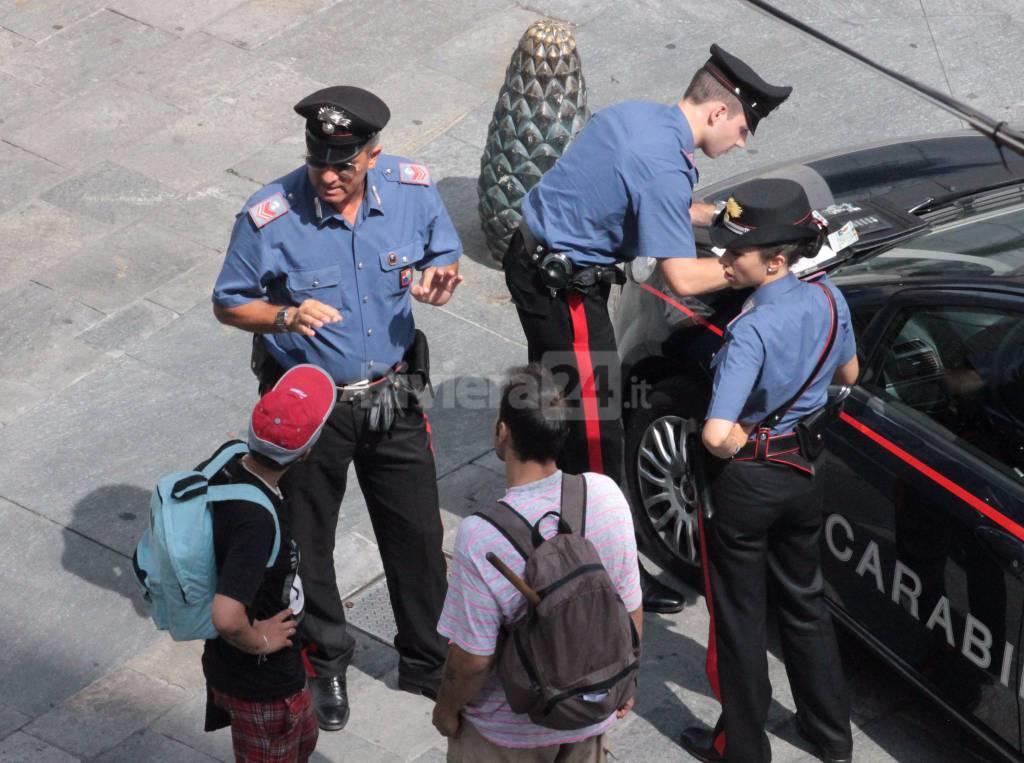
(557, 269)
(352, 393)
(779, 449)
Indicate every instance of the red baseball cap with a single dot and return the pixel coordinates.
(287, 421)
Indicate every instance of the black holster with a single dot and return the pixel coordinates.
(810, 430)
(264, 365)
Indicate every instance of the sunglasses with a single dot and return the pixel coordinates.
(338, 167)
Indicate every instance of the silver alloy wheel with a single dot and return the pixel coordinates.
(667, 489)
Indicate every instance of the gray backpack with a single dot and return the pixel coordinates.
(571, 660)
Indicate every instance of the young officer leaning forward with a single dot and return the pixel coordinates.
(472, 709)
(769, 399)
(254, 672)
(623, 190)
(320, 266)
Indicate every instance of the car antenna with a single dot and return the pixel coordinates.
(1000, 132)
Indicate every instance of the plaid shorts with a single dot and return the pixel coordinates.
(279, 731)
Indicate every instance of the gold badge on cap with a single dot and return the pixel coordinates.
(733, 208)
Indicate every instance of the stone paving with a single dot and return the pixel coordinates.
(131, 132)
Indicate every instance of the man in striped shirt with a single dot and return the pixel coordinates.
(472, 710)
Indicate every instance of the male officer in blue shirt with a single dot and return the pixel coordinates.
(623, 190)
(321, 267)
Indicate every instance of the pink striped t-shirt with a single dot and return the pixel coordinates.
(480, 600)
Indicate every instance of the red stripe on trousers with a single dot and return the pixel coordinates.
(430, 434)
(711, 664)
(581, 348)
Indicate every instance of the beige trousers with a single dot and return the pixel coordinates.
(469, 746)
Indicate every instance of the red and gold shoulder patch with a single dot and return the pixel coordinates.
(268, 210)
(416, 174)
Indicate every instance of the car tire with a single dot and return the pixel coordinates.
(665, 512)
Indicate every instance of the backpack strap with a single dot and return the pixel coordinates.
(251, 494)
(574, 502)
(511, 524)
(195, 483)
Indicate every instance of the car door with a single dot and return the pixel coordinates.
(924, 531)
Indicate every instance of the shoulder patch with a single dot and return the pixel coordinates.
(415, 174)
(268, 210)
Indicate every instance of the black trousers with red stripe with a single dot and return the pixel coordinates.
(571, 335)
(765, 535)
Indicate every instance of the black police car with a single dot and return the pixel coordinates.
(923, 548)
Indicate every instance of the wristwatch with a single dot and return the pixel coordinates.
(281, 319)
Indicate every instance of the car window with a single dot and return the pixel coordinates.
(961, 371)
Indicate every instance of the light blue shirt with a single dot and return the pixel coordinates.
(622, 189)
(771, 348)
(366, 272)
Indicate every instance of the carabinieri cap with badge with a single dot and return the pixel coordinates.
(758, 98)
(340, 120)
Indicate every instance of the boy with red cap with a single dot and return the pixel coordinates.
(256, 681)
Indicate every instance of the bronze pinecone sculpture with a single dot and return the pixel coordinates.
(541, 107)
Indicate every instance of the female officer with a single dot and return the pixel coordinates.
(772, 373)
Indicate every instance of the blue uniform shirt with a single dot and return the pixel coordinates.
(771, 348)
(622, 190)
(311, 252)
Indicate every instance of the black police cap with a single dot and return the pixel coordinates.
(759, 98)
(340, 120)
(765, 212)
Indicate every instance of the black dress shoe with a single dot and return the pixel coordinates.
(330, 701)
(699, 742)
(657, 596)
(825, 755)
(427, 687)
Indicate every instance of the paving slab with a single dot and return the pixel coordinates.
(180, 17)
(274, 161)
(206, 214)
(190, 71)
(22, 748)
(87, 51)
(52, 369)
(88, 626)
(423, 28)
(192, 288)
(152, 748)
(162, 423)
(37, 235)
(184, 723)
(25, 175)
(10, 42)
(379, 705)
(198, 147)
(124, 266)
(106, 712)
(406, 90)
(480, 54)
(178, 663)
(11, 720)
(219, 364)
(979, 54)
(107, 120)
(270, 94)
(58, 318)
(110, 194)
(41, 19)
(20, 95)
(128, 326)
(251, 24)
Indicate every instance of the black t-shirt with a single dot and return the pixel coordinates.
(243, 537)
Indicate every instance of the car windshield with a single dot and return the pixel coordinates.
(985, 244)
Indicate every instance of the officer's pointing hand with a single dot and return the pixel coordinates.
(437, 285)
(310, 316)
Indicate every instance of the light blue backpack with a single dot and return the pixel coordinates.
(174, 560)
